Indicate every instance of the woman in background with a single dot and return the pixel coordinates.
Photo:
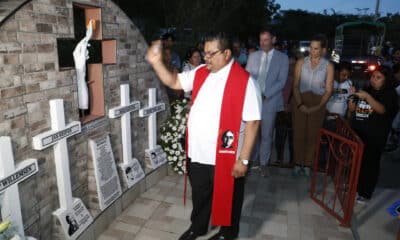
(312, 88)
(193, 59)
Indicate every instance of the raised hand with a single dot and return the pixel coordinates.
(154, 53)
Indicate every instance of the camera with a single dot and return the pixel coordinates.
(353, 98)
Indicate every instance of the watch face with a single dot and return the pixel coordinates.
(245, 162)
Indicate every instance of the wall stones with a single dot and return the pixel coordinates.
(30, 77)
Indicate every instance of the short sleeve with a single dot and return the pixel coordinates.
(252, 102)
(186, 79)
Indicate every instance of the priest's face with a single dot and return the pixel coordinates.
(215, 57)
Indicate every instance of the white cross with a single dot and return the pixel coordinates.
(132, 171)
(154, 153)
(57, 137)
(10, 176)
(151, 112)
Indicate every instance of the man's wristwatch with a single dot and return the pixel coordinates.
(244, 162)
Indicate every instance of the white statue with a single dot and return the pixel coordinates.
(81, 54)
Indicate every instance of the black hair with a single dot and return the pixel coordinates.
(223, 39)
(191, 51)
(344, 65)
(321, 38)
(268, 30)
(385, 72)
(167, 35)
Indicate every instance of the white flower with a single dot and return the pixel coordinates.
(172, 134)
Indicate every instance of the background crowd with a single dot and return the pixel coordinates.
(312, 90)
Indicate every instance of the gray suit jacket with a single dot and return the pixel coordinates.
(276, 78)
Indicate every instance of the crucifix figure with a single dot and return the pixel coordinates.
(81, 54)
(10, 176)
(155, 156)
(72, 214)
(131, 169)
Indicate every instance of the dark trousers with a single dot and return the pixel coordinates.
(283, 130)
(201, 178)
(369, 171)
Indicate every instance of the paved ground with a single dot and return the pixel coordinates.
(372, 221)
(277, 207)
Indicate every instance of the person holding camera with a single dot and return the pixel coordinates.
(371, 112)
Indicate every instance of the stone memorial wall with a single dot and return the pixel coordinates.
(34, 36)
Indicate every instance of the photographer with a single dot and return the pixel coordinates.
(371, 112)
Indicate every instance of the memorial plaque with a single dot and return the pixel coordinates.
(155, 157)
(105, 170)
(74, 221)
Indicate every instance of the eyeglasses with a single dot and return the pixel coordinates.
(211, 54)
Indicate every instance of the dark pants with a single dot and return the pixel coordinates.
(369, 171)
(201, 178)
(283, 130)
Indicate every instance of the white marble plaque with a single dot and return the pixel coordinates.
(74, 221)
(155, 157)
(105, 171)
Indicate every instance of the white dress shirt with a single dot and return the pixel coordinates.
(203, 122)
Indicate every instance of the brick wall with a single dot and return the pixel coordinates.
(30, 77)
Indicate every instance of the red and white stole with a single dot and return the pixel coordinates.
(229, 125)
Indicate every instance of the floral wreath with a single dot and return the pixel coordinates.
(172, 138)
(8, 231)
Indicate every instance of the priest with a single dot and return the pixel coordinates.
(225, 107)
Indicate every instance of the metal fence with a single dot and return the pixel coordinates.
(336, 169)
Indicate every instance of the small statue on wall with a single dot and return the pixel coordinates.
(81, 54)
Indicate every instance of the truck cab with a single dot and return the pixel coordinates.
(360, 43)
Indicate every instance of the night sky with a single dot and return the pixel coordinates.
(342, 6)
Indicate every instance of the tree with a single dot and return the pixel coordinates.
(239, 17)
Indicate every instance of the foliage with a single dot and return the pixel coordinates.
(173, 135)
(9, 232)
(240, 17)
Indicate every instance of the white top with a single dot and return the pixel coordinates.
(203, 122)
(338, 101)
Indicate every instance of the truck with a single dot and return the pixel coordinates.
(360, 44)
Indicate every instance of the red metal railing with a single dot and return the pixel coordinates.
(336, 170)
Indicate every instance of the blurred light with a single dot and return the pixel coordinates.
(358, 61)
(371, 67)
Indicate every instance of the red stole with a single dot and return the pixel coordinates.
(229, 126)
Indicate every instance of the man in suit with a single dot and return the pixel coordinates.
(270, 68)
